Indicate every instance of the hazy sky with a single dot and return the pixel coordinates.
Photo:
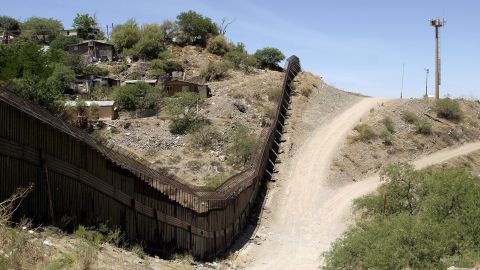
(356, 45)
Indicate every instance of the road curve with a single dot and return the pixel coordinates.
(307, 214)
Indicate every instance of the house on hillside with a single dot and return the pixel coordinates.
(86, 83)
(68, 32)
(106, 110)
(93, 50)
(173, 86)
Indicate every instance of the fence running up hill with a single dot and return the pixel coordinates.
(80, 181)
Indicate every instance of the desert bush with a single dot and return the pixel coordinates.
(139, 251)
(449, 109)
(365, 132)
(137, 96)
(101, 93)
(186, 125)
(424, 127)
(219, 45)
(249, 63)
(216, 70)
(119, 68)
(206, 136)
(217, 180)
(409, 117)
(306, 91)
(236, 58)
(242, 147)
(273, 93)
(16, 249)
(93, 237)
(387, 137)
(389, 125)
(85, 255)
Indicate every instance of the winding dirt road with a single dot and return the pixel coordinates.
(306, 213)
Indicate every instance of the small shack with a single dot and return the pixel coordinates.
(106, 110)
(93, 50)
(176, 86)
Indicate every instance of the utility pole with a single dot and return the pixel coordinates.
(403, 75)
(426, 81)
(437, 23)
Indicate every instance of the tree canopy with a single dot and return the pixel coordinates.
(41, 29)
(269, 57)
(86, 27)
(9, 23)
(194, 28)
(126, 35)
(151, 43)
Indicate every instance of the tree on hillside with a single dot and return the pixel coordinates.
(87, 27)
(61, 79)
(61, 42)
(151, 43)
(269, 57)
(9, 23)
(41, 29)
(194, 28)
(169, 30)
(126, 35)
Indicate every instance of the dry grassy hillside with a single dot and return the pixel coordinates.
(416, 131)
(240, 98)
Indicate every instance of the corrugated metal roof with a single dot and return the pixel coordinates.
(101, 103)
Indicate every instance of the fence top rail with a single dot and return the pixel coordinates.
(230, 189)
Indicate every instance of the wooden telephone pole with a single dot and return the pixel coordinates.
(437, 23)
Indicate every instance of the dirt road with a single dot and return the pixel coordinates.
(306, 214)
(295, 229)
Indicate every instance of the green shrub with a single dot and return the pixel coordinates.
(101, 93)
(365, 132)
(91, 236)
(409, 117)
(217, 180)
(95, 70)
(180, 126)
(206, 136)
(216, 70)
(137, 96)
(242, 147)
(449, 109)
(219, 45)
(273, 93)
(235, 57)
(389, 125)
(249, 63)
(424, 127)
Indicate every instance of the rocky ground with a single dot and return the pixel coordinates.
(239, 98)
(358, 158)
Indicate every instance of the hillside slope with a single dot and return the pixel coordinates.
(359, 158)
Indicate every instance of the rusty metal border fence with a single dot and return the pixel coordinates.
(80, 181)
